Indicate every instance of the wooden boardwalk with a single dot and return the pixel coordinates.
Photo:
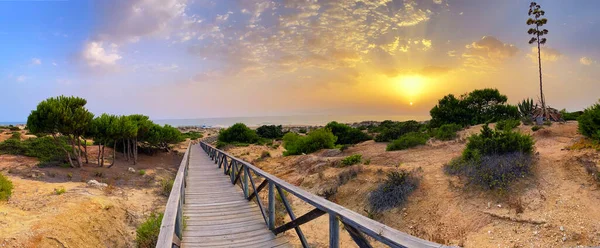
(216, 214)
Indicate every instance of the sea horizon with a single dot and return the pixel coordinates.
(300, 120)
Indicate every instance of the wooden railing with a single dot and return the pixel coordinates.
(171, 226)
(357, 225)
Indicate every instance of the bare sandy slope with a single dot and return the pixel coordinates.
(84, 216)
(560, 202)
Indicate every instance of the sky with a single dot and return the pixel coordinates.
(172, 59)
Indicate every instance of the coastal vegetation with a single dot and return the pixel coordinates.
(446, 131)
(394, 191)
(352, 160)
(318, 139)
(589, 122)
(392, 130)
(6, 188)
(147, 232)
(63, 126)
(407, 141)
(270, 131)
(239, 133)
(494, 158)
(345, 134)
(476, 107)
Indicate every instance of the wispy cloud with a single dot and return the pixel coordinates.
(587, 61)
(36, 61)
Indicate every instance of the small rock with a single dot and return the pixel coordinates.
(95, 183)
(564, 239)
(535, 232)
(499, 205)
(562, 229)
(489, 204)
(132, 170)
(490, 232)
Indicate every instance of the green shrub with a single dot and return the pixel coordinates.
(60, 190)
(570, 116)
(346, 134)
(312, 142)
(536, 127)
(446, 132)
(526, 107)
(16, 135)
(46, 149)
(490, 142)
(508, 124)
(13, 146)
(547, 123)
(393, 191)
(13, 128)
(367, 162)
(589, 122)
(192, 135)
(407, 141)
(6, 188)
(270, 131)
(147, 232)
(302, 130)
(166, 185)
(352, 159)
(238, 133)
(265, 154)
(142, 172)
(479, 106)
(389, 130)
(493, 159)
(527, 120)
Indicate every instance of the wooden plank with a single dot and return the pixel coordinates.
(277, 242)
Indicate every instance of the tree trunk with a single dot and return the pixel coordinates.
(542, 99)
(114, 155)
(135, 151)
(102, 161)
(73, 145)
(85, 152)
(65, 150)
(99, 153)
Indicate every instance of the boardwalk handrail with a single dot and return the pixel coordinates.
(354, 223)
(171, 226)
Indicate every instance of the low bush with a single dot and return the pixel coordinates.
(390, 130)
(166, 185)
(347, 175)
(394, 191)
(352, 159)
(536, 127)
(589, 122)
(142, 172)
(16, 135)
(407, 141)
(192, 135)
(493, 158)
(508, 124)
(312, 142)
(264, 154)
(147, 232)
(13, 128)
(492, 171)
(570, 116)
(527, 120)
(270, 131)
(12, 146)
(238, 133)
(547, 123)
(46, 149)
(490, 142)
(6, 187)
(446, 132)
(60, 190)
(345, 134)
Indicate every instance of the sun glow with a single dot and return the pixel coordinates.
(411, 86)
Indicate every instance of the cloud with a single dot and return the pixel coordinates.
(36, 61)
(286, 36)
(438, 1)
(488, 52)
(587, 61)
(434, 70)
(95, 54)
(548, 54)
(22, 78)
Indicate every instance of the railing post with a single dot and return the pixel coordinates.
(271, 205)
(232, 170)
(334, 231)
(245, 184)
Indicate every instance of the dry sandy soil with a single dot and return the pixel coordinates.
(83, 216)
(558, 204)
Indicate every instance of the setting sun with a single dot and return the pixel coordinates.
(411, 86)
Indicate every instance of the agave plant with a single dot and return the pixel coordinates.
(526, 107)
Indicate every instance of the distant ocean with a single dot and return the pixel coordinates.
(309, 120)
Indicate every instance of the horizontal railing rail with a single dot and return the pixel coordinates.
(355, 224)
(171, 226)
